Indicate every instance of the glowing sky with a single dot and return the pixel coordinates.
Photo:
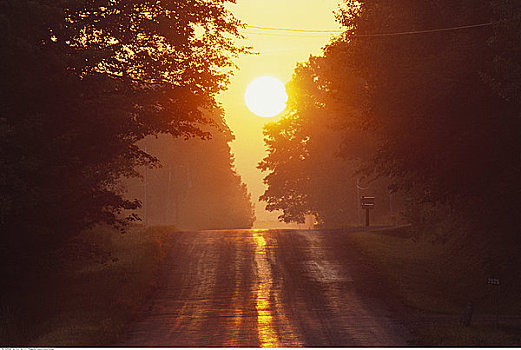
(279, 53)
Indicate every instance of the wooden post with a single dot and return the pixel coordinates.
(145, 195)
(497, 305)
(467, 316)
(497, 283)
(366, 216)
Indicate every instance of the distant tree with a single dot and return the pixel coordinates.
(83, 81)
(196, 186)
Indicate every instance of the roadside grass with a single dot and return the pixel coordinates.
(444, 279)
(477, 335)
(85, 300)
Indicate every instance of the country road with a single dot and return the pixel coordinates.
(265, 288)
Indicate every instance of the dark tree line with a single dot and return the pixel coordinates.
(437, 112)
(82, 82)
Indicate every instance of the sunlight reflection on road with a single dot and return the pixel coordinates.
(265, 325)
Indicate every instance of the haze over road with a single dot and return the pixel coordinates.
(265, 288)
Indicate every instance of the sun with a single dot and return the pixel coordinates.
(266, 96)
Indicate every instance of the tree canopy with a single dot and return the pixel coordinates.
(314, 152)
(434, 87)
(83, 82)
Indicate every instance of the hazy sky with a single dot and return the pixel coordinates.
(279, 53)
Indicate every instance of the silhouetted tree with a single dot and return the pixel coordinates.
(506, 44)
(440, 107)
(83, 81)
(306, 174)
(443, 131)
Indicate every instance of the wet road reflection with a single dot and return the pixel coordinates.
(265, 324)
(261, 288)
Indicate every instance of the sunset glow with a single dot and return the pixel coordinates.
(278, 54)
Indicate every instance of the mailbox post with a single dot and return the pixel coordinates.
(367, 203)
(497, 283)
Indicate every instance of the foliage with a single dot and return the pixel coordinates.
(83, 81)
(441, 126)
(438, 110)
(196, 186)
(307, 175)
(506, 43)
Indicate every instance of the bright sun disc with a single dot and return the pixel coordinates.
(266, 96)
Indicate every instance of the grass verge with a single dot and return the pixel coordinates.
(476, 335)
(444, 279)
(88, 298)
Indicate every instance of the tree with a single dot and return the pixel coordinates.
(505, 42)
(441, 126)
(306, 173)
(437, 95)
(196, 187)
(83, 82)
(442, 104)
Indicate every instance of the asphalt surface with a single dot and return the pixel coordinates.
(266, 288)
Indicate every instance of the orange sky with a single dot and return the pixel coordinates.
(279, 53)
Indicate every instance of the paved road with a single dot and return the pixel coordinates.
(265, 288)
